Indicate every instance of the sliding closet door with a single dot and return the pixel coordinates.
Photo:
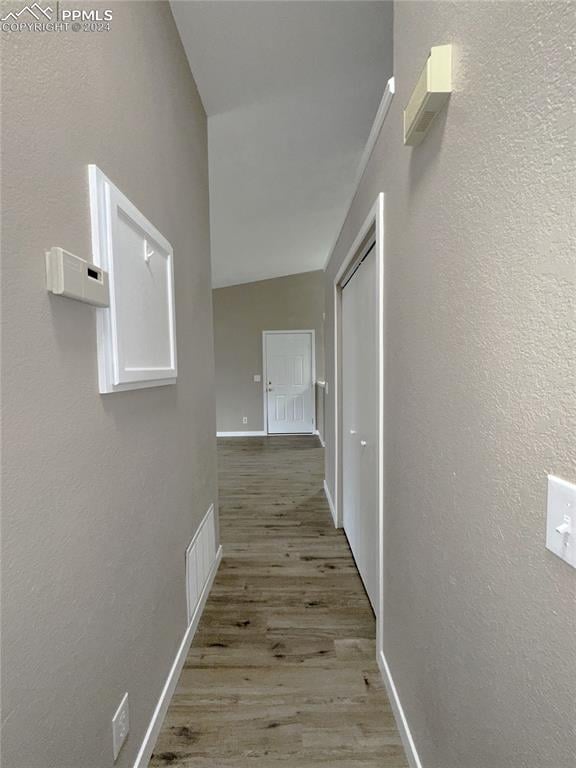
(360, 421)
(350, 417)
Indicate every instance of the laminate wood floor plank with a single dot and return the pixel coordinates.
(282, 671)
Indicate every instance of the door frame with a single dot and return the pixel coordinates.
(374, 220)
(265, 334)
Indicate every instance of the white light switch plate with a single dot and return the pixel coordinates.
(257, 377)
(120, 725)
(561, 519)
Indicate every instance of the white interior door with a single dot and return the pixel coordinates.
(360, 421)
(289, 381)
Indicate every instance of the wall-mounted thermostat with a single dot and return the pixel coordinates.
(431, 93)
(70, 276)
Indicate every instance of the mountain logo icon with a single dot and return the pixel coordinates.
(36, 10)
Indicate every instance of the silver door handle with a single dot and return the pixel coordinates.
(363, 443)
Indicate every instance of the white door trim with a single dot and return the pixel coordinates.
(312, 332)
(375, 219)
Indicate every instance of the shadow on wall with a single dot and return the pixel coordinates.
(424, 158)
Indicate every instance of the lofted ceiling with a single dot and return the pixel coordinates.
(291, 89)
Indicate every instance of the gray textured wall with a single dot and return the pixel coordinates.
(101, 493)
(480, 314)
(241, 313)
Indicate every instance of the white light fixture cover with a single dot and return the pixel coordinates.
(431, 93)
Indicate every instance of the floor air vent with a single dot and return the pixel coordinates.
(200, 557)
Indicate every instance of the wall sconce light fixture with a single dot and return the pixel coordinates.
(431, 93)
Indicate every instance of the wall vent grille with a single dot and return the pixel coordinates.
(424, 121)
(200, 557)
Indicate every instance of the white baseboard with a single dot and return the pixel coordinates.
(242, 434)
(330, 503)
(157, 720)
(322, 443)
(399, 716)
(267, 434)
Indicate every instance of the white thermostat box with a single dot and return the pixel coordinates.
(70, 276)
(137, 334)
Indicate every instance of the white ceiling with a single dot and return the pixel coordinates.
(291, 89)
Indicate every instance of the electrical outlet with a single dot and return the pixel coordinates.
(120, 726)
(244, 419)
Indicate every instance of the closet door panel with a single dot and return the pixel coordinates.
(350, 415)
(360, 428)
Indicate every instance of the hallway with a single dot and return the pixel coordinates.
(282, 669)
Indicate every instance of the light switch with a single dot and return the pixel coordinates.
(561, 519)
(257, 377)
